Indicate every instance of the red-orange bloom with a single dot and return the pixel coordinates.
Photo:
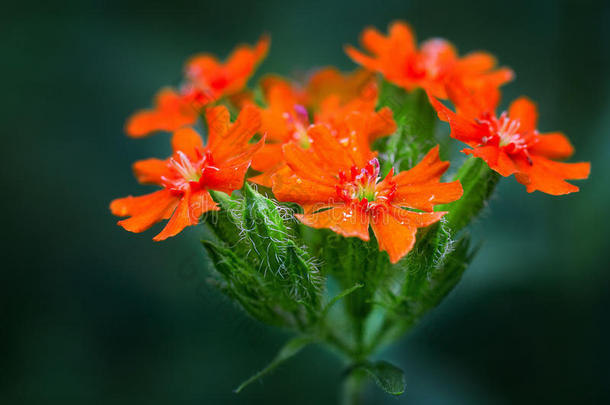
(330, 81)
(193, 169)
(339, 188)
(510, 142)
(207, 80)
(429, 67)
(286, 119)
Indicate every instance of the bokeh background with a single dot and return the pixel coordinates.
(93, 314)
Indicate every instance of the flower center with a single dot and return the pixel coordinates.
(508, 131)
(359, 185)
(188, 173)
(505, 132)
(183, 165)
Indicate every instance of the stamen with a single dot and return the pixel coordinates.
(361, 184)
(504, 132)
(187, 173)
(184, 167)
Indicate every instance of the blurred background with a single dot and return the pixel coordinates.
(91, 313)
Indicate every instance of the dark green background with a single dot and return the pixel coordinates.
(94, 314)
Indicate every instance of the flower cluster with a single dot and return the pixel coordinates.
(339, 176)
(314, 140)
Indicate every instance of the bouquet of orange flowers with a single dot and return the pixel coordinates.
(324, 199)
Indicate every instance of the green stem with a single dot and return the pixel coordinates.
(338, 343)
(359, 335)
(379, 335)
(353, 384)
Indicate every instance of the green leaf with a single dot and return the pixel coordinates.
(273, 245)
(387, 376)
(428, 284)
(265, 228)
(245, 285)
(445, 276)
(415, 119)
(478, 181)
(301, 279)
(291, 348)
(432, 246)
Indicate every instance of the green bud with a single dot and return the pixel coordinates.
(264, 269)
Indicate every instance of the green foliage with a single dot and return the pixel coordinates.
(352, 261)
(222, 223)
(339, 296)
(440, 278)
(387, 376)
(262, 267)
(415, 119)
(277, 268)
(433, 269)
(290, 349)
(478, 181)
(248, 287)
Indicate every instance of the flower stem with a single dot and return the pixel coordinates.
(353, 384)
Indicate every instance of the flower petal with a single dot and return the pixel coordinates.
(418, 219)
(306, 165)
(170, 113)
(178, 221)
(201, 202)
(495, 158)
(243, 60)
(526, 112)
(268, 157)
(328, 148)
(192, 205)
(552, 146)
(188, 141)
(287, 186)
(476, 62)
(463, 128)
(396, 228)
(394, 236)
(430, 168)
(225, 178)
(425, 196)
(549, 177)
(144, 210)
(225, 143)
(150, 171)
(345, 220)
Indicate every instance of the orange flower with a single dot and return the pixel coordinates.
(207, 80)
(329, 81)
(193, 169)
(286, 119)
(510, 142)
(333, 111)
(339, 188)
(429, 67)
